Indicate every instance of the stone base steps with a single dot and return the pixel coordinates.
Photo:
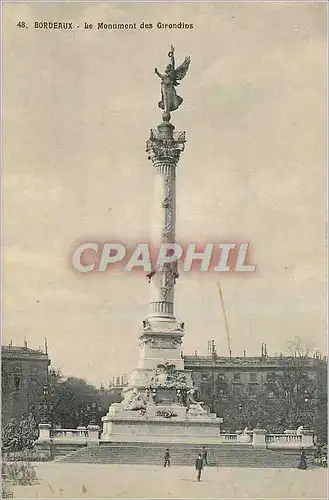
(183, 454)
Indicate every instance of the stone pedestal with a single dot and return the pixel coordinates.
(161, 423)
(44, 433)
(258, 438)
(93, 435)
(307, 439)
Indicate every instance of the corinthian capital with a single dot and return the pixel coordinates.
(166, 148)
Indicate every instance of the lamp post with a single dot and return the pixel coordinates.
(81, 415)
(45, 407)
(241, 418)
(88, 414)
(308, 411)
(94, 409)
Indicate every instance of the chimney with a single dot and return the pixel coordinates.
(262, 349)
(46, 346)
(230, 353)
(25, 343)
(244, 353)
(265, 352)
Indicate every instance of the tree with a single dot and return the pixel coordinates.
(298, 385)
(18, 436)
(294, 394)
(73, 402)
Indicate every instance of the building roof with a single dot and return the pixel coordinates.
(266, 362)
(19, 352)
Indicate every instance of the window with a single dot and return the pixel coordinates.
(252, 390)
(205, 376)
(5, 379)
(253, 376)
(236, 391)
(17, 381)
(236, 377)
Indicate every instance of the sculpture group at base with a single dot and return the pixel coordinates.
(166, 382)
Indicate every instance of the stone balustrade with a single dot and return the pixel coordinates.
(283, 439)
(69, 434)
(83, 435)
(290, 441)
(257, 438)
(229, 438)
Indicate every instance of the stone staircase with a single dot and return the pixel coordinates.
(224, 455)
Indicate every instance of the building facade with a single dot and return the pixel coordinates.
(249, 375)
(24, 375)
(272, 391)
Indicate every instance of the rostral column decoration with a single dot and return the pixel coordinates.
(164, 148)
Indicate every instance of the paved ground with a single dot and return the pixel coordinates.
(61, 480)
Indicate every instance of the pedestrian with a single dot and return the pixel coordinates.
(204, 455)
(167, 458)
(303, 461)
(317, 455)
(199, 466)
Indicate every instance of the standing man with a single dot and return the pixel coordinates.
(204, 455)
(167, 458)
(199, 466)
(303, 461)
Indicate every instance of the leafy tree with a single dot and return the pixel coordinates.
(298, 389)
(293, 395)
(18, 436)
(71, 401)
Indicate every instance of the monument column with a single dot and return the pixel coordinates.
(161, 334)
(160, 393)
(164, 148)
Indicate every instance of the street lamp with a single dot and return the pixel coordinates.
(93, 420)
(80, 414)
(94, 409)
(308, 411)
(45, 407)
(88, 413)
(241, 415)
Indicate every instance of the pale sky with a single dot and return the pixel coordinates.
(77, 112)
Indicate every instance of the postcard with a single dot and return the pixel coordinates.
(164, 249)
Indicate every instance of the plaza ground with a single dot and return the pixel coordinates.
(63, 480)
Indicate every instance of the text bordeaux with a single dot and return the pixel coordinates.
(50, 25)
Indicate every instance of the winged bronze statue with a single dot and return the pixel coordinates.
(170, 101)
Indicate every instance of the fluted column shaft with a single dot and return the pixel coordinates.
(164, 148)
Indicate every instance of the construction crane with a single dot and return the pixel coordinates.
(225, 319)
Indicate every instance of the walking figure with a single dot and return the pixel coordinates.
(199, 466)
(204, 455)
(303, 461)
(167, 458)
